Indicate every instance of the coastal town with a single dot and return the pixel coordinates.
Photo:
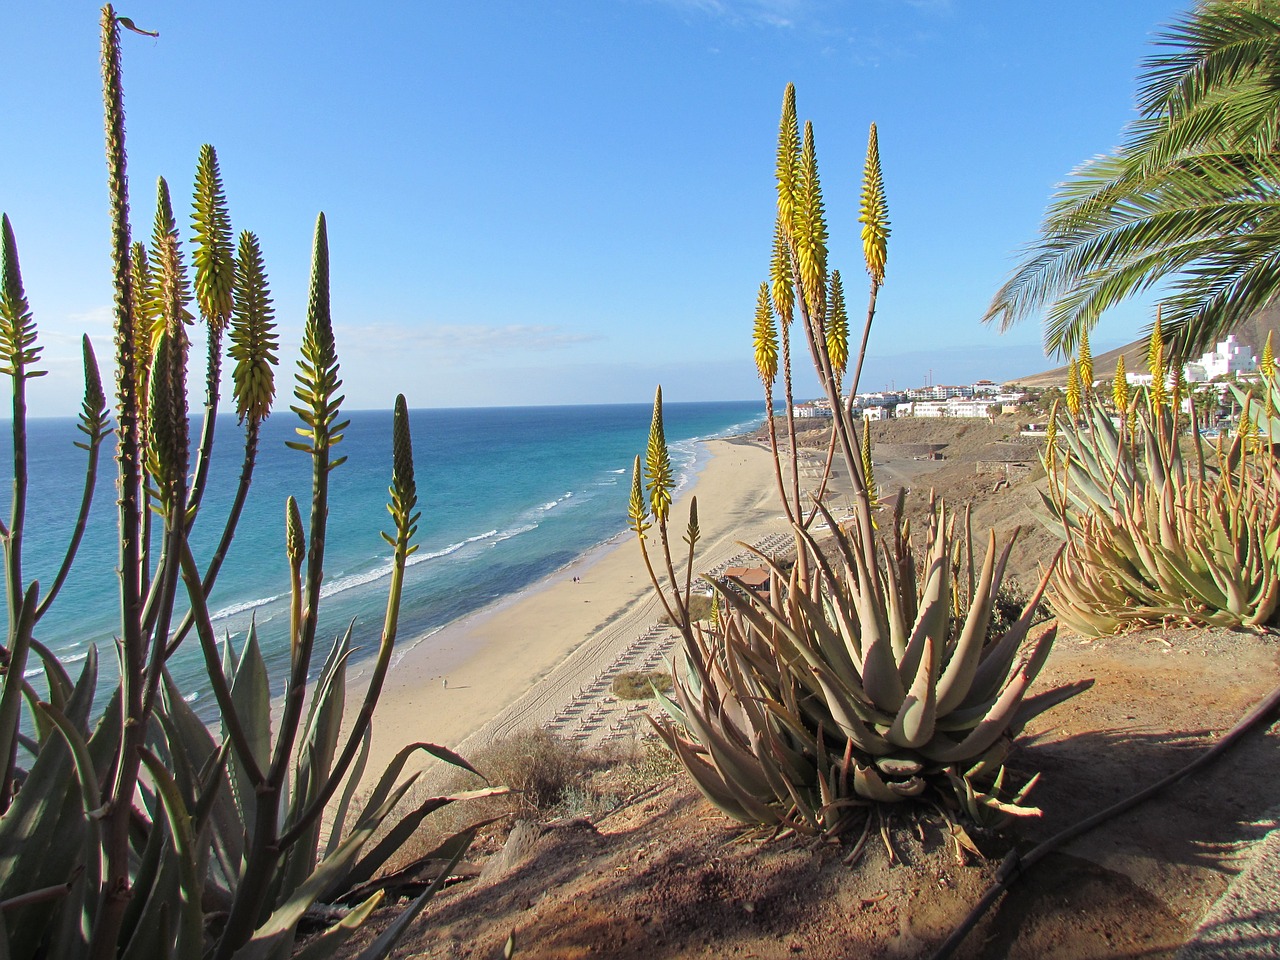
(1209, 379)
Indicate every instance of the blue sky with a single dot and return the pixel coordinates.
(569, 202)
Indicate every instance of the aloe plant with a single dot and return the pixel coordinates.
(851, 686)
(1156, 526)
(175, 840)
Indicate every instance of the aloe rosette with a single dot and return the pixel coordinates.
(1153, 533)
(856, 688)
(857, 681)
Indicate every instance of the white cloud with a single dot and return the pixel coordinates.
(94, 319)
(463, 340)
(771, 13)
(931, 6)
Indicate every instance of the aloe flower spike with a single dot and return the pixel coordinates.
(765, 338)
(874, 212)
(787, 167)
(637, 511)
(1120, 387)
(658, 471)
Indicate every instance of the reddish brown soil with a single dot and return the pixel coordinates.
(668, 877)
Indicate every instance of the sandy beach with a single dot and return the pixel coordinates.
(538, 658)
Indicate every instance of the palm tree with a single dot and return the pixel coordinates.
(1192, 195)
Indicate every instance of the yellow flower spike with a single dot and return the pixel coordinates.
(1267, 367)
(874, 212)
(1073, 389)
(143, 318)
(787, 167)
(809, 229)
(781, 276)
(1085, 364)
(1155, 365)
(253, 338)
(867, 464)
(212, 256)
(1120, 387)
(693, 532)
(657, 468)
(1051, 442)
(837, 327)
(637, 511)
(765, 338)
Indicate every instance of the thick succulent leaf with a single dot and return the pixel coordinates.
(954, 683)
(934, 609)
(251, 700)
(150, 891)
(387, 782)
(278, 930)
(845, 714)
(707, 779)
(739, 767)
(354, 779)
(1000, 717)
(328, 943)
(315, 755)
(86, 774)
(398, 836)
(913, 726)
(387, 940)
(868, 783)
(997, 658)
(190, 915)
(57, 678)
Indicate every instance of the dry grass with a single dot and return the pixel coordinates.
(639, 685)
(550, 779)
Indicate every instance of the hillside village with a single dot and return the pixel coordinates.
(1210, 376)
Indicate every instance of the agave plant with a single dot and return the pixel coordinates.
(175, 840)
(851, 684)
(1157, 527)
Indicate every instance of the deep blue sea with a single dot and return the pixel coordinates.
(508, 496)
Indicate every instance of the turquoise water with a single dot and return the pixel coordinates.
(508, 496)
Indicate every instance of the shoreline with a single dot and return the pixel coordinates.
(520, 661)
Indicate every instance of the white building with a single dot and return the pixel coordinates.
(1226, 358)
(954, 407)
(939, 391)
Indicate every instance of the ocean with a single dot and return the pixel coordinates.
(508, 496)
